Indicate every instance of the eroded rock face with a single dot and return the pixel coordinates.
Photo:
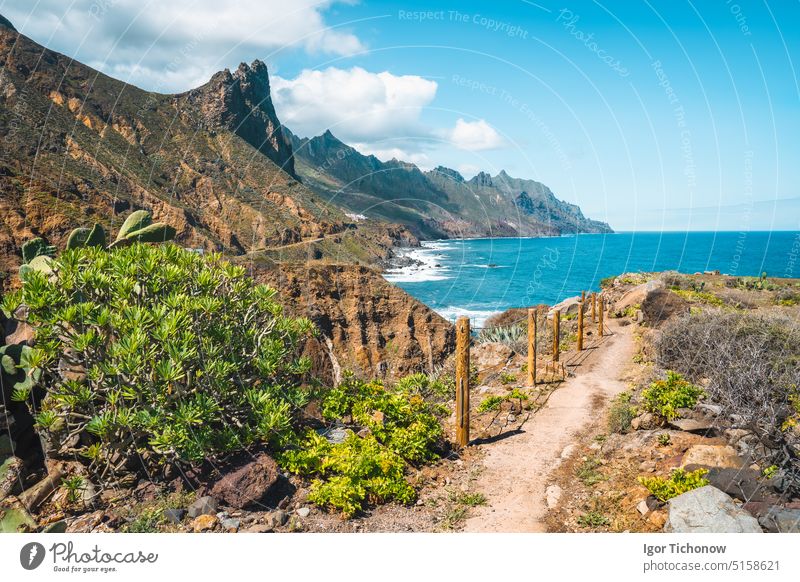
(708, 510)
(248, 484)
(637, 296)
(373, 328)
(722, 456)
(241, 102)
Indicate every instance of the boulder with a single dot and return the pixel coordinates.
(567, 307)
(708, 510)
(740, 483)
(204, 522)
(203, 506)
(637, 296)
(490, 355)
(247, 484)
(781, 520)
(660, 305)
(693, 425)
(722, 456)
(646, 421)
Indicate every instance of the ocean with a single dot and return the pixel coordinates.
(480, 277)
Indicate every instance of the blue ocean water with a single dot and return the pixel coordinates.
(478, 277)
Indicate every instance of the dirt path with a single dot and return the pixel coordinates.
(516, 470)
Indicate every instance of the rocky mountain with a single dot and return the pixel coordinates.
(79, 147)
(435, 204)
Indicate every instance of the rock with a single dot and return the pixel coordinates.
(743, 484)
(247, 484)
(204, 522)
(230, 524)
(722, 456)
(568, 306)
(637, 296)
(642, 507)
(567, 452)
(335, 435)
(279, 517)
(204, 506)
(174, 515)
(260, 528)
(552, 496)
(781, 520)
(711, 409)
(18, 332)
(661, 305)
(646, 421)
(304, 512)
(692, 425)
(657, 518)
(490, 355)
(708, 510)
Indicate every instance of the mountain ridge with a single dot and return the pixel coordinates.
(438, 203)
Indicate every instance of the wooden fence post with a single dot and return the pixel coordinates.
(556, 333)
(583, 296)
(462, 381)
(594, 307)
(580, 327)
(600, 317)
(531, 347)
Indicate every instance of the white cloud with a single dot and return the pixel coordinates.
(474, 136)
(355, 104)
(172, 46)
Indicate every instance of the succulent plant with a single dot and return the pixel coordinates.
(17, 376)
(41, 263)
(139, 227)
(87, 237)
(36, 247)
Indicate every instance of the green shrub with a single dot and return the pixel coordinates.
(350, 473)
(593, 519)
(665, 397)
(588, 472)
(154, 352)
(507, 378)
(621, 413)
(491, 403)
(400, 417)
(679, 482)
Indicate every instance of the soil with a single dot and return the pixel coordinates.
(516, 470)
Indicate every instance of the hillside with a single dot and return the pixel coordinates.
(436, 204)
(80, 147)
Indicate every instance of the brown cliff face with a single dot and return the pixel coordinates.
(78, 147)
(373, 327)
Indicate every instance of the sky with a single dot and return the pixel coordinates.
(651, 114)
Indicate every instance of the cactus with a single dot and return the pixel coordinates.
(153, 233)
(36, 247)
(87, 237)
(136, 221)
(16, 378)
(41, 263)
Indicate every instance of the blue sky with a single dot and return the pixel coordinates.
(653, 115)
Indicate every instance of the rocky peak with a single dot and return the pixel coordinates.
(482, 179)
(241, 102)
(6, 23)
(449, 172)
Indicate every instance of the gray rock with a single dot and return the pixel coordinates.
(280, 517)
(692, 425)
(304, 512)
(781, 520)
(204, 506)
(708, 510)
(230, 524)
(744, 484)
(175, 515)
(335, 435)
(260, 528)
(709, 408)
